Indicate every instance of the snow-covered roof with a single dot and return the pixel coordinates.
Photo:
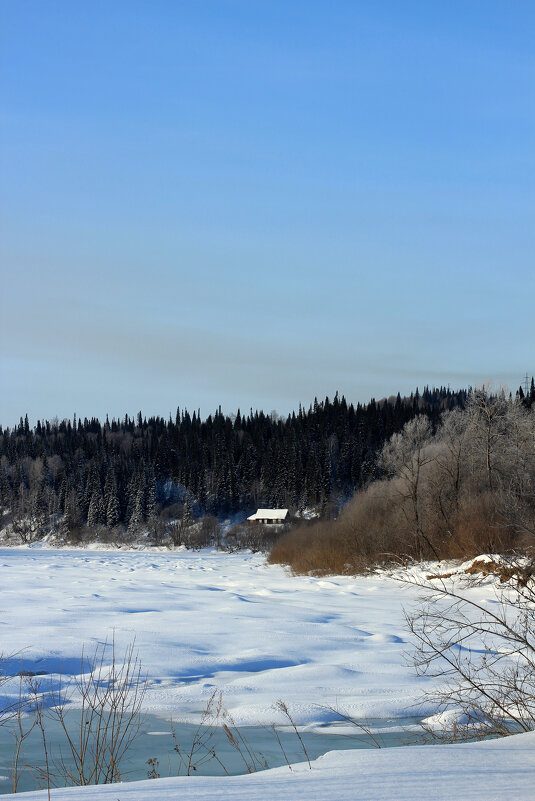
(269, 514)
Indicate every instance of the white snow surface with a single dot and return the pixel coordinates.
(205, 620)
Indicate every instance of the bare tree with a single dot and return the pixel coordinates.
(516, 503)
(29, 516)
(452, 435)
(404, 457)
(488, 430)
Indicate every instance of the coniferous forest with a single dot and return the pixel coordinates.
(131, 473)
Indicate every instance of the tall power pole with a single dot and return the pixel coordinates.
(526, 385)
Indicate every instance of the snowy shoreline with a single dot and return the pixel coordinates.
(484, 771)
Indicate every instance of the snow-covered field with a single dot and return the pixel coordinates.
(205, 620)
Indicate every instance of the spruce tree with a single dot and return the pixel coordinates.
(96, 515)
(137, 518)
(150, 494)
(187, 513)
(111, 499)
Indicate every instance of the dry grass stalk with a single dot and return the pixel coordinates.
(111, 697)
(282, 707)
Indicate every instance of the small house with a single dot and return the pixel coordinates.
(269, 517)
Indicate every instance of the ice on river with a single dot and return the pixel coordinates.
(205, 620)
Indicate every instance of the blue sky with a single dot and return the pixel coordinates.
(253, 203)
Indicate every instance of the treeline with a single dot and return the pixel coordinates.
(463, 487)
(134, 473)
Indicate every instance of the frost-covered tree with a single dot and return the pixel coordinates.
(404, 458)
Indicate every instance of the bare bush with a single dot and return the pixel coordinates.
(211, 531)
(179, 530)
(476, 528)
(255, 537)
(368, 531)
(110, 691)
(483, 653)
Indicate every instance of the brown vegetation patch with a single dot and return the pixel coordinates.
(505, 572)
(463, 490)
(439, 576)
